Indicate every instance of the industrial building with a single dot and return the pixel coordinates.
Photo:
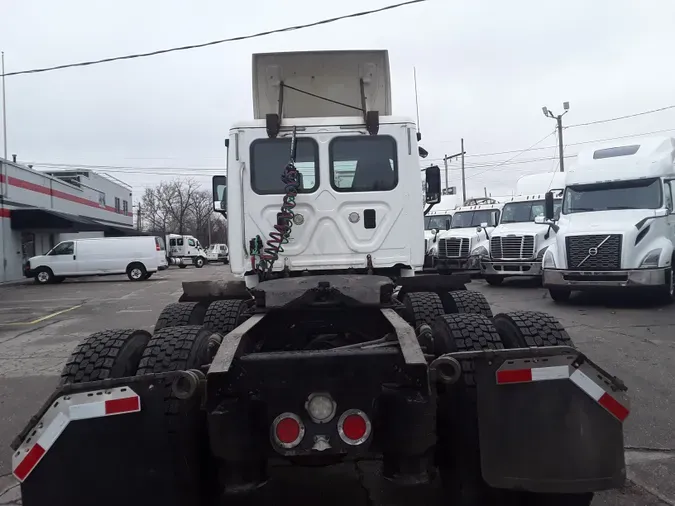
(40, 209)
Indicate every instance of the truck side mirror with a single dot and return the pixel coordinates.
(548, 206)
(433, 184)
(220, 194)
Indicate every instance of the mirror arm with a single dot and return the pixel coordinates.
(426, 211)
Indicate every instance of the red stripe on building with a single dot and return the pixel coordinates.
(4, 213)
(27, 185)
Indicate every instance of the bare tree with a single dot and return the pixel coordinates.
(181, 206)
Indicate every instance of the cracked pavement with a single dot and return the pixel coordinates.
(627, 337)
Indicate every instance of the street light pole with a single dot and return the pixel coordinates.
(4, 107)
(558, 118)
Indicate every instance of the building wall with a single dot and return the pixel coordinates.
(22, 187)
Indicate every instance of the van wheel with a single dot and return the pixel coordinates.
(136, 272)
(199, 262)
(44, 275)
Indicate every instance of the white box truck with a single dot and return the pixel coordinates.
(616, 227)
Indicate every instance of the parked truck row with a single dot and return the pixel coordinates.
(608, 223)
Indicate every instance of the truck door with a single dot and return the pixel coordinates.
(62, 259)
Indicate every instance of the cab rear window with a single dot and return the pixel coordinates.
(363, 163)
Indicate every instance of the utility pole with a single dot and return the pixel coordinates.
(558, 118)
(447, 159)
(4, 107)
(209, 225)
(138, 217)
(463, 179)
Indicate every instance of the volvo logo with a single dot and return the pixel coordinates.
(594, 251)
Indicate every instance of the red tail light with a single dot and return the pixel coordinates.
(287, 430)
(158, 248)
(354, 427)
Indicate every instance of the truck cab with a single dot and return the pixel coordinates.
(616, 228)
(463, 247)
(518, 244)
(351, 187)
(435, 221)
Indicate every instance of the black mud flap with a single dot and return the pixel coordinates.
(98, 445)
(550, 421)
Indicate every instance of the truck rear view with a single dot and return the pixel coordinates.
(331, 348)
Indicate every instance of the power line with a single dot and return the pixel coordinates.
(216, 42)
(566, 144)
(516, 155)
(622, 117)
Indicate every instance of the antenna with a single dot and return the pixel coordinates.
(417, 105)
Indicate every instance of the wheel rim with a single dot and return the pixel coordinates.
(43, 277)
(136, 273)
(200, 262)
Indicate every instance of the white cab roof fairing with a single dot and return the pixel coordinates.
(335, 75)
(540, 183)
(648, 158)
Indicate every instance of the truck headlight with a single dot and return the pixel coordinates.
(548, 262)
(652, 259)
(540, 255)
(480, 251)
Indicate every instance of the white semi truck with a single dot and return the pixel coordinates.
(439, 219)
(184, 250)
(518, 244)
(331, 349)
(466, 244)
(616, 228)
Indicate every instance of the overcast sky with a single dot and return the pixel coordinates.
(484, 68)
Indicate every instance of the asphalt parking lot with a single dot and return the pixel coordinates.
(40, 325)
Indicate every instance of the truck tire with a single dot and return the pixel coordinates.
(105, 355)
(136, 271)
(521, 329)
(199, 262)
(422, 307)
(179, 349)
(223, 316)
(44, 276)
(466, 301)
(560, 294)
(528, 329)
(666, 294)
(179, 314)
(457, 450)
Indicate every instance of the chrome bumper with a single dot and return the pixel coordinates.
(465, 264)
(578, 280)
(511, 268)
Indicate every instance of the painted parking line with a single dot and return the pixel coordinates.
(47, 317)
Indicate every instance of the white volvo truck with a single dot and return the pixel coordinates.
(518, 244)
(617, 227)
(437, 220)
(463, 247)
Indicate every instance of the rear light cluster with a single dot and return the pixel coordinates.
(353, 426)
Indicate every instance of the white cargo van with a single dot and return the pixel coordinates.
(616, 227)
(137, 257)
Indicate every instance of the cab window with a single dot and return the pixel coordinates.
(363, 163)
(179, 242)
(191, 242)
(269, 157)
(63, 248)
